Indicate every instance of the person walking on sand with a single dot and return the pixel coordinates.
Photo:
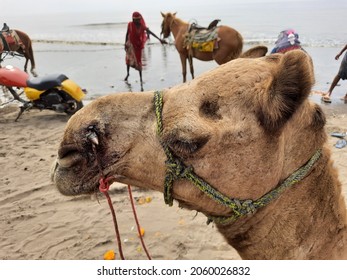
(135, 39)
(342, 74)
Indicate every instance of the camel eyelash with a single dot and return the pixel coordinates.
(185, 147)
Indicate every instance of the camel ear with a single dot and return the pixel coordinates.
(254, 52)
(162, 14)
(174, 14)
(289, 88)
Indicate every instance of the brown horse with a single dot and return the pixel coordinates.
(230, 44)
(22, 44)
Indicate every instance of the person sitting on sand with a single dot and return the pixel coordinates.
(135, 39)
(342, 74)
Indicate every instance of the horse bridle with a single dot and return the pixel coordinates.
(176, 169)
(170, 27)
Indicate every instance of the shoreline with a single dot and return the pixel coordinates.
(101, 68)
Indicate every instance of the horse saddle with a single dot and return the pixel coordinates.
(10, 40)
(201, 38)
(5, 28)
(195, 26)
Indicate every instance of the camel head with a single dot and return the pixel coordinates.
(243, 128)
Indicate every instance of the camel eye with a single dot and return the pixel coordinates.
(93, 128)
(187, 147)
(92, 136)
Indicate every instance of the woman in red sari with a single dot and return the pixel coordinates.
(135, 39)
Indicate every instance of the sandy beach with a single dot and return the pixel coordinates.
(37, 222)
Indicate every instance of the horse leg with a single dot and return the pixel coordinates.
(140, 72)
(30, 55)
(190, 59)
(32, 70)
(183, 58)
(128, 68)
(26, 65)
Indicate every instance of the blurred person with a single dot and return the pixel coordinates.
(342, 74)
(135, 39)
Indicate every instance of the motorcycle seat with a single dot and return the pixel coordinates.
(46, 82)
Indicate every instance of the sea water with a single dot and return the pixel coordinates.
(318, 22)
(70, 39)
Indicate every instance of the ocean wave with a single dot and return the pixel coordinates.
(68, 42)
(306, 41)
(253, 42)
(102, 25)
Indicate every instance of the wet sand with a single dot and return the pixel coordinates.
(101, 68)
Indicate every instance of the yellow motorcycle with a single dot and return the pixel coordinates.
(53, 92)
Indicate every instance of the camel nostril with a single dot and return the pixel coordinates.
(70, 160)
(68, 156)
(65, 150)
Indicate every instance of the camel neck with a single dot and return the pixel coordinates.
(306, 222)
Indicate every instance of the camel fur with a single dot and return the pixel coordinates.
(244, 127)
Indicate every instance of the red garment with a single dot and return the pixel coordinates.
(137, 37)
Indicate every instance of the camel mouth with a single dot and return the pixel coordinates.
(69, 184)
(69, 162)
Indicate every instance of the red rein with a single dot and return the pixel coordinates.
(104, 186)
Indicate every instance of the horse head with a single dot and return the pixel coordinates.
(168, 19)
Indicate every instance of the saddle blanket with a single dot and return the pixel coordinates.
(205, 46)
(203, 40)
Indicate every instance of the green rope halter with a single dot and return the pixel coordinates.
(175, 170)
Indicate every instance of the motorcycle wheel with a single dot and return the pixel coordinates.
(75, 106)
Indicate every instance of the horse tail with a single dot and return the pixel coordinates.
(30, 56)
(240, 44)
(235, 44)
(25, 47)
